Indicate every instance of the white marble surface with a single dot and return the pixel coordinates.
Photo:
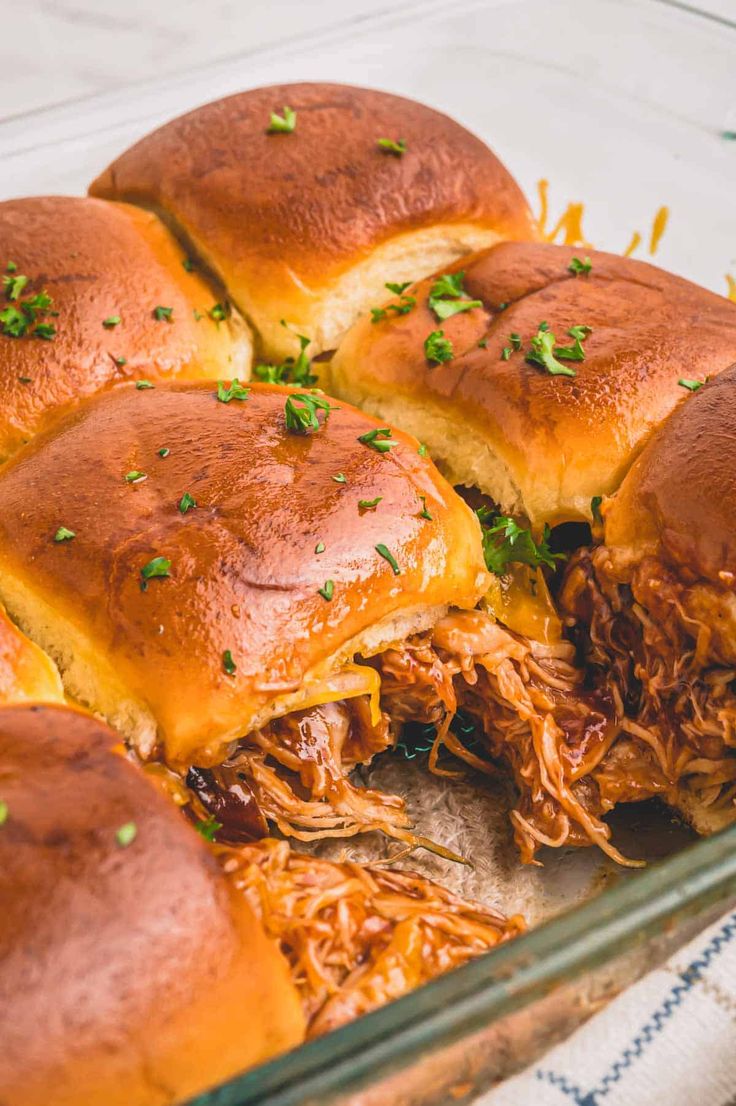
(53, 51)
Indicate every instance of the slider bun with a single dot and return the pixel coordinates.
(27, 674)
(132, 976)
(538, 444)
(98, 260)
(308, 226)
(245, 576)
(679, 500)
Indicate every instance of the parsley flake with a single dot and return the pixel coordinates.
(424, 513)
(235, 391)
(327, 591)
(63, 534)
(397, 147)
(208, 827)
(691, 385)
(188, 264)
(282, 124)
(595, 508)
(379, 440)
(228, 663)
(156, 568)
(111, 321)
(164, 451)
(218, 312)
(126, 834)
(163, 314)
(186, 503)
(340, 478)
(300, 412)
(580, 268)
(387, 555)
(292, 370)
(447, 297)
(505, 543)
(4, 811)
(319, 547)
(120, 361)
(369, 504)
(437, 348)
(143, 385)
(545, 353)
(422, 451)
(135, 476)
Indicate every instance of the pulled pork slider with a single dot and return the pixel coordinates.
(534, 376)
(94, 294)
(654, 607)
(306, 198)
(227, 554)
(131, 968)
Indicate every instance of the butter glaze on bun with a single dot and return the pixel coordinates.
(308, 226)
(245, 565)
(133, 975)
(99, 261)
(541, 445)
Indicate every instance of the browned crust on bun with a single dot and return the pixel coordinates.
(282, 217)
(131, 970)
(678, 502)
(98, 261)
(245, 565)
(540, 444)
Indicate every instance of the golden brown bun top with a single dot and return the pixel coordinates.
(560, 441)
(281, 216)
(679, 500)
(97, 260)
(27, 674)
(245, 572)
(132, 975)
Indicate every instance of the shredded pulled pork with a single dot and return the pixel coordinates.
(666, 647)
(534, 710)
(357, 936)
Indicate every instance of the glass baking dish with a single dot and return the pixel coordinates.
(623, 104)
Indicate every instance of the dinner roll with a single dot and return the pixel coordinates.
(221, 563)
(133, 974)
(654, 607)
(538, 444)
(306, 225)
(27, 674)
(94, 294)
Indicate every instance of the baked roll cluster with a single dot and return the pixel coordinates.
(307, 438)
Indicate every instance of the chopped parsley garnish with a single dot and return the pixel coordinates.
(505, 543)
(437, 348)
(447, 297)
(163, 314)
(126, 834)
(11, 267)
(424, 513)
(580, 268)
(392, 146)
(340, 478)
(282, 124)
(300, 412)
(21, 315)
(422, 451)
(506, 353)
(111, 321)
(4, 811)
(235, 391)
(403, 307)
(164, 451)
(157, 567)
(292, 370)
(319, 547)
(186, 503)
(208, 827)
(63, 534)
(691, 385)
(25, 379)
(369, 504)
(387, 555)
(543, 351)
(483, 343)
(327, 591)
(197, 314)
(13, 286)
(595, 508)
(135, 476)
(228, 663)
(120, 361)
(730, 136)
(142, 385)
(380, 439)
(188, 264)
(218, 312)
